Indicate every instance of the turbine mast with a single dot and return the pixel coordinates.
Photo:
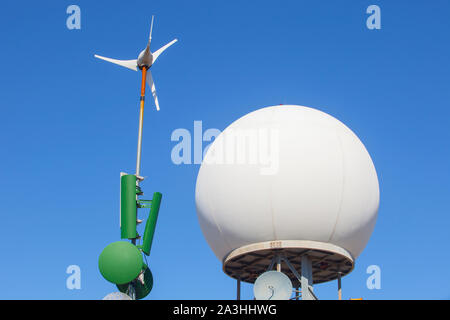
(141, 123)
(141, 112)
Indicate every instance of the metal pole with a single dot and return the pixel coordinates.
(339, 286)
(272, 263)
(238, 293)
(131, 291)
(291, 267)
(307, 279)
(141, 123)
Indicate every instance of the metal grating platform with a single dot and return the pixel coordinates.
(248, 262)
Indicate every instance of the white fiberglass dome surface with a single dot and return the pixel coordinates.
(287, 173)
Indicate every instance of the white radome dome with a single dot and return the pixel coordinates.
(310, 178)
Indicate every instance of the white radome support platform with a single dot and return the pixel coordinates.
(248, 262)
(313, 190)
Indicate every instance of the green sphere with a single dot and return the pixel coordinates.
(120, 262)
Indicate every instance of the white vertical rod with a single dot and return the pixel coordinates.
(307, 279)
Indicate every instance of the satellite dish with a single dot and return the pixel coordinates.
(143, 285)
(117, 296)
(272, 285)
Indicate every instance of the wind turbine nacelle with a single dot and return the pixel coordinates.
(145, 58)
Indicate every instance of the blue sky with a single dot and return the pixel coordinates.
(68, 126)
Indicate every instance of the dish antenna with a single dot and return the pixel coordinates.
(141, 287)
(272, 285)
(117, 296)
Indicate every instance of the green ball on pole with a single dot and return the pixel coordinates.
(120, 262)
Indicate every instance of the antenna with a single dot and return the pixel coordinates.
(272, 285)
(121, 262)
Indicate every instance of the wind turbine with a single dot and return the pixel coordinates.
(144, 61)
(125, 269)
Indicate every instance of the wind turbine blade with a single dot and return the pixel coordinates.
(130, 64)
(161, 50)
(151, 84)
(151, 30)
